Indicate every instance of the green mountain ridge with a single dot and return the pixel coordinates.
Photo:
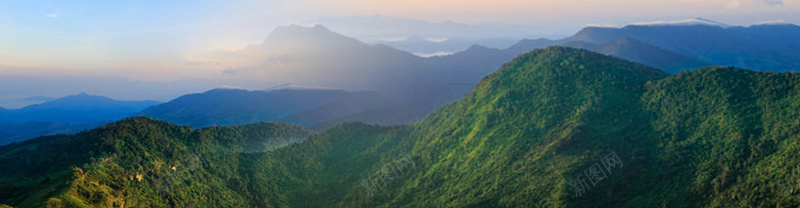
(104, 167)
(525, 136)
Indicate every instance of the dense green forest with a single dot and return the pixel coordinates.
(556, 127)
(138, 162)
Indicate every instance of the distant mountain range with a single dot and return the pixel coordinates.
(671, 46)
(643, 53)
(318, 56)
(80, 108)
(423, 47)
(24, 101)
(18, 132)
(65, 115)
(557, 127)
(767, 47)
(303, 106)
(689, 44)
(407, 86)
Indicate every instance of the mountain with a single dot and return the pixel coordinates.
(675, 46)
(426, 48)
(316, 56)
(526, 45)
(68, 114)
(25, 101)
(356, 103)
(80, 108)
(637, 51)
(518, 137)
(714, 137)
(557, 127)
(139, 162)
(17, 132)
(304, 106)
(385, 116)
(769, 47)
(320, 57)
(625, 48)
(699, 21)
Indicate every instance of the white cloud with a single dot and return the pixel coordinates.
(51, 15)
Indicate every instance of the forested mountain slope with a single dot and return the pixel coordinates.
(557, 127)
(138, 162)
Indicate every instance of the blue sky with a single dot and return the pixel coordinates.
(78, 34)
(145, 44)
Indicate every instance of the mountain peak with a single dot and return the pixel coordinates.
(298, 87)
(294, 36)
(224, 89)
(584, 61)
(83, 95)
(295, 29)
(318, 27)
